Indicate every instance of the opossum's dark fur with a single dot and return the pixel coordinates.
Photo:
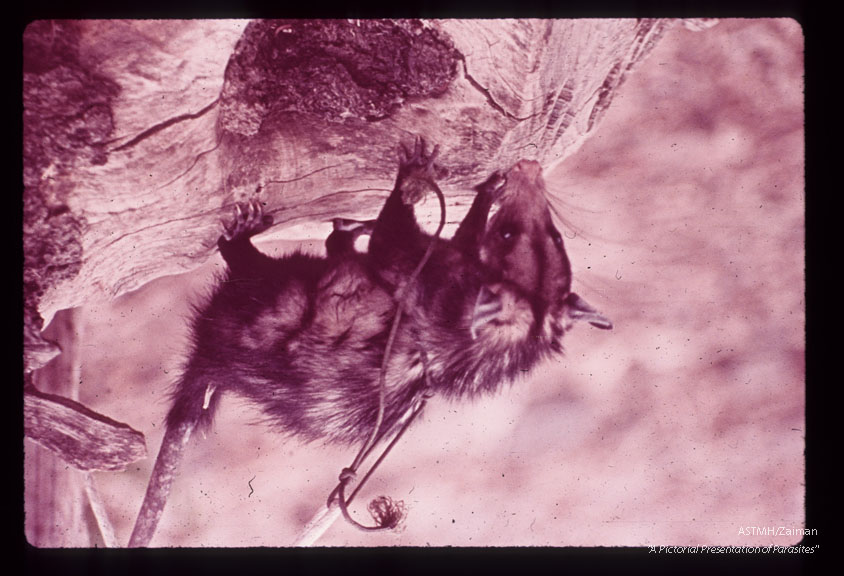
(304, 336)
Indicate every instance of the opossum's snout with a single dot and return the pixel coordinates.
(530, 170)
(521, 242)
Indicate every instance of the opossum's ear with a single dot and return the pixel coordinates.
(580, 309)
(488, 306)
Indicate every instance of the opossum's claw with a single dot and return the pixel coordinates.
(404, 154)
(433, 155)
(418, 146)
(420, 156)
(249, 220)
(410, 154)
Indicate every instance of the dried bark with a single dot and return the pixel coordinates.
(139, 135)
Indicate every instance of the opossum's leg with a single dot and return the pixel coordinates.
(342, 239)
(235, 244)
(396, 236)
(470, 233)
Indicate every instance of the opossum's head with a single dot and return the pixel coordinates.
(521, 242)
(524, 250)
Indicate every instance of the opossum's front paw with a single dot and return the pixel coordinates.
(493, 186)
(249, 220)
(417, 170)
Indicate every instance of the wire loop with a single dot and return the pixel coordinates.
(387, 513)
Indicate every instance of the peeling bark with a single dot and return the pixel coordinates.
(140, 135)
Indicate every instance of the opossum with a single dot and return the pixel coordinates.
(304, 336)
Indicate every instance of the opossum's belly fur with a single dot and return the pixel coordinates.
(308, 349)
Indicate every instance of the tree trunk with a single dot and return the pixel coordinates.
(139, 135)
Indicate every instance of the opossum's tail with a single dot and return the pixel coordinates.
(166, 465)
(194, 404)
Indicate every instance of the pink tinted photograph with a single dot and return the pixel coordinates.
(559, 262)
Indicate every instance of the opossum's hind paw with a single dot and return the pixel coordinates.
(249, 220)
(356, 227)
(417, 170)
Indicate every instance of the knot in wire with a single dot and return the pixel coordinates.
(347, 475)
(384, 511)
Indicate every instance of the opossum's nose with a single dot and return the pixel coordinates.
(530, 168)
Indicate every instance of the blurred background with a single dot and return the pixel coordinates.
(684, 222)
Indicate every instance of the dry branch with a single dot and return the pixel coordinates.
(79, 436)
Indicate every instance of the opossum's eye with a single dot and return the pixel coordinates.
(557, 238)
(508, 231)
